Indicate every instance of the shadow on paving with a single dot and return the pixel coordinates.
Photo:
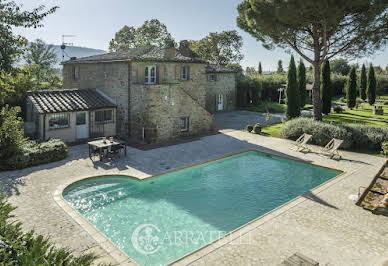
(309, 195)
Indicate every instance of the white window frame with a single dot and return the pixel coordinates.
(104, 121)
(59, 116)
(220, 99)
(147, 74)
(185, 126)
(185, 73)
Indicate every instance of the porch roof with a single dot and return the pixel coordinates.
(56, 101)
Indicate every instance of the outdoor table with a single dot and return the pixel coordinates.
(102, 144)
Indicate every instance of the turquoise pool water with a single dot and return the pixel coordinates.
(160, 220)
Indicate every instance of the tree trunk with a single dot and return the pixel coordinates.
(316, 91)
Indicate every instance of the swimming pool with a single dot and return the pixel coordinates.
(161, 219)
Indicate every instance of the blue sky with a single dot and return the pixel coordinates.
(94, 22)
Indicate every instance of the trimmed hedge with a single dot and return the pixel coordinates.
(353, 135)
(384, 147)
(249, 128)
(33, 154)
(257, 129)
(338, 109)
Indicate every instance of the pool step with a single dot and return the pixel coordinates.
(299, 259)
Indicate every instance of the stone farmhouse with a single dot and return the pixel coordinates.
(159, 94)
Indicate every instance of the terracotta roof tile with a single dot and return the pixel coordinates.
(54, 101)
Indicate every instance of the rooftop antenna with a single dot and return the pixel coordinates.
(64, 44)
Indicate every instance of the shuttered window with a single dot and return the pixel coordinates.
(150, 75)
(185, 73)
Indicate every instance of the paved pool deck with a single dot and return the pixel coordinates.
(324, 225)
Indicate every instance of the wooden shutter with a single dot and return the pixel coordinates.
(188, 72)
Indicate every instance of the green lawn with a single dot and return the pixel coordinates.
(272, 130)
(360, 115)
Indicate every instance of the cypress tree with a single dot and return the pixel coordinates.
(302, 84)
(363, 82)
(371, 87)
(326, 88)
(280, 67)
(260, 70)
(351, 88)
(292, 94)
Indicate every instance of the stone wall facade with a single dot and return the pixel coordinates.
(153, 112)
(156, 109)
(110, 78)
(225, 85)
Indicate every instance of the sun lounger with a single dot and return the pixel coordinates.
(301, 142)
(331, 149)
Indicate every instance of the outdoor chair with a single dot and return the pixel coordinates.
(116, 149)
(94, 152)
(331, 148)
(301, 143)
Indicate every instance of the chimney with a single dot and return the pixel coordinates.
(184, 48)
(169, 50)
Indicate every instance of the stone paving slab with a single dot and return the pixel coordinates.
(326, 226)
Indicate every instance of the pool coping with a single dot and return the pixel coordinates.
(123, 259)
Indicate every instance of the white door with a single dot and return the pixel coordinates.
(220, 102)
(82, 125)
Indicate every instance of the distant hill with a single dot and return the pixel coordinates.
(76, 51)
(70, 51)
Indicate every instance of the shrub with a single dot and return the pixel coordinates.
(11, 131)
(326, 87)
(249, 128)
(351, 88)
(338, 83)
(359, 101)
(371, 85)
(257, 128)
(33, 154)
(363, 83)
(292, 92)
(342, 100)
(19, 248)
(302, 84)
(354, 135)
(322, 132)
(338, 109)
(384, 147)
(252, 89)
(367, 136)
